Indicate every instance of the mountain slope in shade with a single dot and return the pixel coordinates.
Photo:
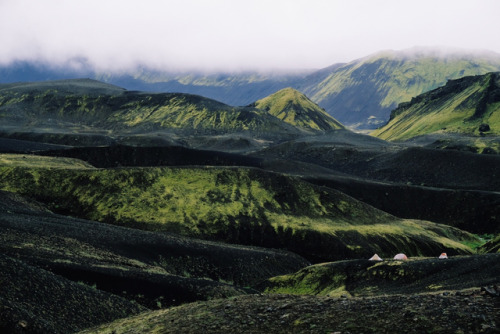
(470, 105)
(293, 107)
(363, 92)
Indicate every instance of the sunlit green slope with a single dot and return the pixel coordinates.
(237, 205)
(296, 109)
(470, 105)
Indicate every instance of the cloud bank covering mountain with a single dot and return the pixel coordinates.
(230, 35)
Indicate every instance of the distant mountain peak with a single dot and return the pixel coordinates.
(295, 108)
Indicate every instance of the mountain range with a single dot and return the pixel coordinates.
(359, 94)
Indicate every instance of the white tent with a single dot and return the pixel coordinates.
(400, 256)
(375, 258)
(443, 256)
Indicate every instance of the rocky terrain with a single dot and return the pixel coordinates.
(471, 311)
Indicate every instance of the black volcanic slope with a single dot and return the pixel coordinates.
(19, 146)
(453, 187)
(34, 300)
(63, 274)
(121, 155)
(169, 252)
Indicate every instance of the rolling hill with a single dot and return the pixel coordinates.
(237, 205)
(84, 105)
(450, 186)
(118, 202)
(293, 107)
(470, 105)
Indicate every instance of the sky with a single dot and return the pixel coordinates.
(215, 35)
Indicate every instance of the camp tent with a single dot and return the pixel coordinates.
(443, 256)
(375, 258)
(400, 256)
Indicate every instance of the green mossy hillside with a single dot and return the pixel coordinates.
(368, 278)
(74, 105)
(296, 109)
(236, 205)
(29, 160)
(363, 92)
(492, 246)
(84, 105)
(470, 105)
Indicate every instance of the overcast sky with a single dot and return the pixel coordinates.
(234, 34)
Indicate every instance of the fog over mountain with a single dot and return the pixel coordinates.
(360, 93)
(223, 35)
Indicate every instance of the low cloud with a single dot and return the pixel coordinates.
(115, 35)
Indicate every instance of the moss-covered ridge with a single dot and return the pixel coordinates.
(470, 105)
(87, 105)
(367, 278)
(237, 205)
(296, 109)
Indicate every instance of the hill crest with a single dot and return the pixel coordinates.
(295, 108)
(90, 104)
